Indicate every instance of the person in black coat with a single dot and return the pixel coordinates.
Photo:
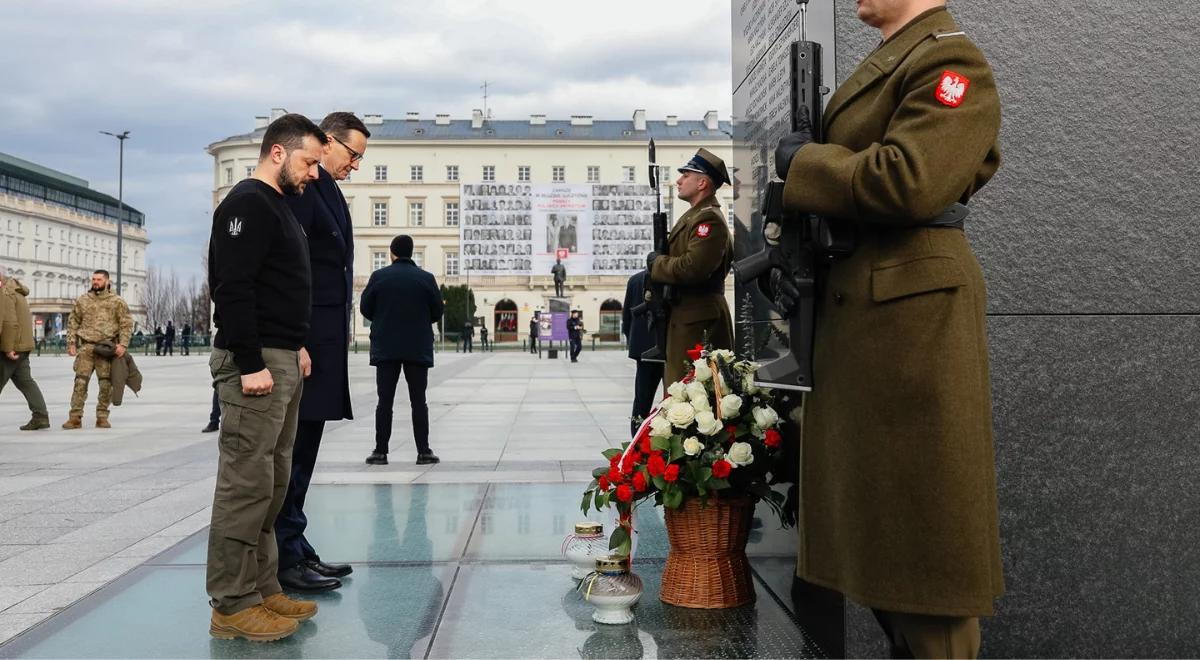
(185, 339)
(325, 217)
(636, 328)
(468, 336)
(169, 339)
(533, 333)
(402, 302)
(158, 340)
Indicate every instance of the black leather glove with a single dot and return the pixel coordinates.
(650, 261)
(791, 143)
(782, 289)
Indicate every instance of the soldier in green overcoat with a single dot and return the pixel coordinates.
(898, 486)
(698, 260)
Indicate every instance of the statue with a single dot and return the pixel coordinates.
(560, 276)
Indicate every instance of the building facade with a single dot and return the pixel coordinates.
(55, 231)
(412, 177)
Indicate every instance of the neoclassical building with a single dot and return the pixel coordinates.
(417, 171)
(55, 230)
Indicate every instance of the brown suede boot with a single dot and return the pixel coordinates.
(257, 624)
(73, 422)
(37, 423)
(296, 610)
(102, 423)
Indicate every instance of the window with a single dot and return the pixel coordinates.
(559, 174)
(249, 171)
(452, 172)
(523, 173)
(489, 172)
(451, 263)
(419, 258)
(451, 214)
(593, 174)
(381, 173)
(228, 175)
(630, 173)
(379, 259)
(416, 173)
(416, 214)
(380, 215)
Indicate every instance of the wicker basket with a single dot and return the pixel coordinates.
(707, 566)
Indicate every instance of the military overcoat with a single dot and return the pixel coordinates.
(697, 262)
(898, 484)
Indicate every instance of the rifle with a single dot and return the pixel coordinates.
(655, 294)
(793, 241)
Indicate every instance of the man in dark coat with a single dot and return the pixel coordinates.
(533, 333)
(468, 337)
(185, 339)
(323, 213)
(898, 482)
(402, 302)
(169, 339)
(636, 328)
(575, 335)
(158, 340)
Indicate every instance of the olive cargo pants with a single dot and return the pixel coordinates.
(86, 361)
(257, 433)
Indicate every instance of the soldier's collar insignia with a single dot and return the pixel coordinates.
(235, 227)
(703, 230)
(952, 89)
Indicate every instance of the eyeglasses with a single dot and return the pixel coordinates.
(354, 155)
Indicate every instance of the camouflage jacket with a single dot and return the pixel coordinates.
(100, 316)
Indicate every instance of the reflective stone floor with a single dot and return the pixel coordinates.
(440, 571)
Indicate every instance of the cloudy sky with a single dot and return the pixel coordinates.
(181, 75)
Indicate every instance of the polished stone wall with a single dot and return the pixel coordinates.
(1089, 240)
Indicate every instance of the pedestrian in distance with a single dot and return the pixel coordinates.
(575, 334)
(185, 339)
(169, 339)
(468, 337)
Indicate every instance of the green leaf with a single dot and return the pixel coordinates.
(620, 536)
(602, 500)
(609, 453)
(703, 475)
(659, 483)
(599, 472)
(659, 443)
(673, 497)
(718, 484)
(587, 501)
(676, 449)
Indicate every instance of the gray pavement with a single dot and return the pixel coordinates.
(79, 509)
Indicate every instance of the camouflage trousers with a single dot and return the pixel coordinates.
(86, 362)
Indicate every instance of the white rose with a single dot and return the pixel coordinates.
(740, 453)
(731, 406)
(765, 417)
(692, 446)
(703, 373)
(748, 385)
(696, 390)
(707, 423)
(659, 426)
(681, 414)
(725, 355)
(678, 391)
(700, 403)
(666, 403)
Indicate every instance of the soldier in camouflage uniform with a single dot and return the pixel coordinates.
(98, 316)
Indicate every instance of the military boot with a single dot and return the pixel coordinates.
(296, 610)
(73, 422)
(37, 423)
(257, 624)
(102, 423)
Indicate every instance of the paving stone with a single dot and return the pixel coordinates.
(54, 598)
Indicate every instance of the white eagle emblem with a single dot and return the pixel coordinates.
(952, 89)
(235, 227)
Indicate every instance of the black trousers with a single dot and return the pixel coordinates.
(215, 415)
(169, 347)
(291, 522)
(467, 344)
(185, 345)
(387, 375)
(576, 347)
(646, 382)
(533, 343)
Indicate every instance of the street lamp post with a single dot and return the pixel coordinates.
(121, 137)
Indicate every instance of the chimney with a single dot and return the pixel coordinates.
(477, 118)
(581, 120)
(412, 116)
(639, 120)
(373, 120)
(710, 120)
(261, 122)
(276, 113)
(442, 120)
(672, 120)
(537, 120)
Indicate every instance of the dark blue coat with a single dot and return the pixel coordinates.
(636, 328)
(402, 302)
(323, 214)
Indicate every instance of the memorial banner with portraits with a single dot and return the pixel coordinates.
(520, 229)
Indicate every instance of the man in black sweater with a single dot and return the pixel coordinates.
(258, 272)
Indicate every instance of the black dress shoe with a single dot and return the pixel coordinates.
(212, 426)
(304, 579)
(377, 458)
(329, 570)
(428, 458)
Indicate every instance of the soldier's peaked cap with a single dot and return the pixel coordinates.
(706, 162)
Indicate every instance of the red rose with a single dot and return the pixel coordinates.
(671, 474)
(732, 431)
(624, 494)
(721, 469)
(603, 484)
(773, 438)
(630, 461)
(639, 481)
(657, 466)
(695, 353)
(644, 445)
(614, 476)
(614, 461)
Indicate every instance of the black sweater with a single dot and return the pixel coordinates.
(258, 274)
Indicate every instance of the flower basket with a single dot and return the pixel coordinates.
(707, 566)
